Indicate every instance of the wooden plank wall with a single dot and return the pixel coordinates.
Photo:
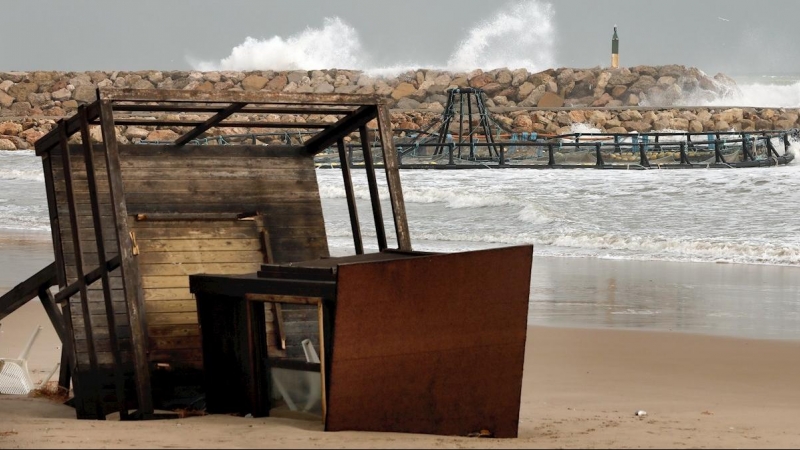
(90, 258)
(277, 183)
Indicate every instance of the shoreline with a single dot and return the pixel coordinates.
(580, 292)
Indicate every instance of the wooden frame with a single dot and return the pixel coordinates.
(114, 261)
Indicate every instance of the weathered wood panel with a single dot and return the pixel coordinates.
(171, 251)
(278, 183)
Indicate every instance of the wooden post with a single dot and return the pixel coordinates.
(68, 355)
(351, 198)
(393, 179)
(93, 372)
(130, 271)
(88, 158)
(380, 231)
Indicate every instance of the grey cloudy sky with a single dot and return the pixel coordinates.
(730, 36)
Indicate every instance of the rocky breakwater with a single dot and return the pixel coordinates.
(30, 102)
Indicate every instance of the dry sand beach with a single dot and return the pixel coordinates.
(580, 390)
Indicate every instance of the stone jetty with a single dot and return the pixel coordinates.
(640, 99)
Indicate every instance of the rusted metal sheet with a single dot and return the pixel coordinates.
(433, 344)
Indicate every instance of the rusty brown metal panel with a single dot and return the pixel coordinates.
(433, 344)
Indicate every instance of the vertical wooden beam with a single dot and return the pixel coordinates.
(55, 316)
(130, 270)
(351, 198)
(393, 179)
(380, 231)
(93, 373)
(68, 355)
(88, 158)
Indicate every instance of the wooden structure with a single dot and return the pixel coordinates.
(396, 340)
(131, 222)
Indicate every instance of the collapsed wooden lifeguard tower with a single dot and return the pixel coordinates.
(131, 223)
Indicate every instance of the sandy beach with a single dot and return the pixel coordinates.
(580, 390)
(581, 387)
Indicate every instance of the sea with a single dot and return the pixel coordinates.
(712, 251)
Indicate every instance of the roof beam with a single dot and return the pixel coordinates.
(252, 97)
(180, 107)
(211, 122)
(73, 125)
(341, 128)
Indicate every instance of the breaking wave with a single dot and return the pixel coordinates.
(518, 35)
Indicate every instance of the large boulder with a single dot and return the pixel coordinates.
(136, 133)
(522, 122)
(20, 91)
(278, 83)
(481, 80)
(407, 103)
(84, 94)
(622, 77)
(254, 83)
(403, 90)
(10, 128)
(644, 83)
(602, 83)
(550, 100)
(61, 95)
(5, 100)
(6, 144)
(162, 135)
(672, 70)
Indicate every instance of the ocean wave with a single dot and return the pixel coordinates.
(517, 35)
(7, 173)
(760, 95)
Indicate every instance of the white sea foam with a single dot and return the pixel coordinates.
(761, 95)
(7, 173)
(518, 35)
(735, 216)
(336, 44)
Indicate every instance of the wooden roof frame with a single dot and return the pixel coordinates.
(124, 107)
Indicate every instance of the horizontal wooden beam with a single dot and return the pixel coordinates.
(253, 97)
(212, 121)
(28, 289)
(194, 123)
(340, 129)
(88, 279)
(180, 107)
(72, 126)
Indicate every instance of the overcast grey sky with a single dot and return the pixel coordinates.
(731, 36)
